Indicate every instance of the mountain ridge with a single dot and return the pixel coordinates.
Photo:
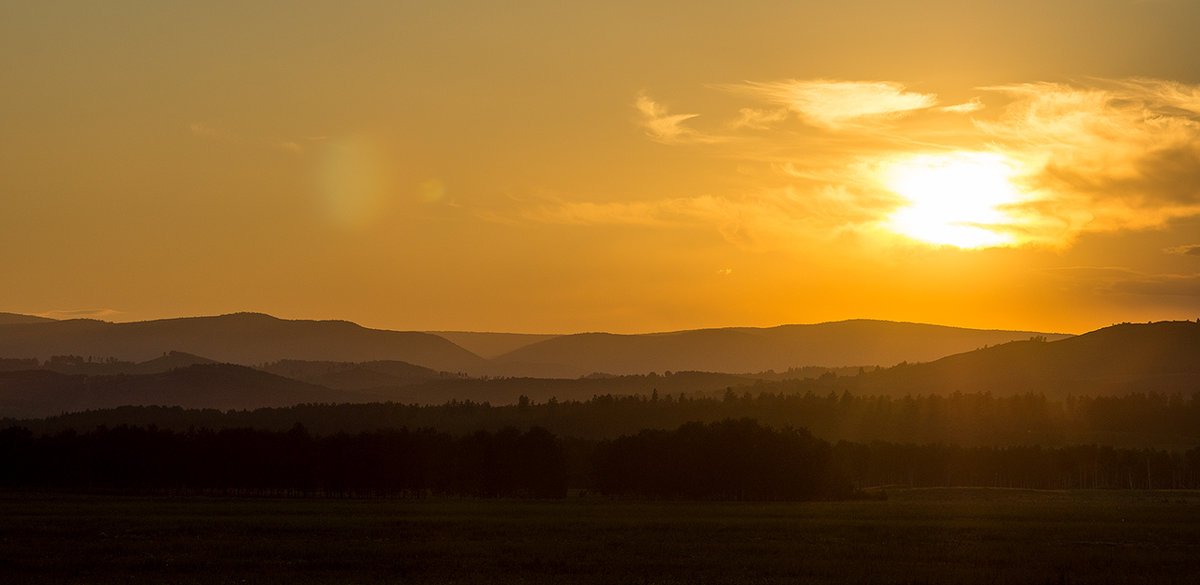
(857, 342)
(1121, 359)
(1127, 357)
(249, 338)
(238, 338)
(221, 386)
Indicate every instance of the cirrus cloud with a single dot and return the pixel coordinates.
(1097, 156)
(1113, 156)
(838, 104)
(662, 126)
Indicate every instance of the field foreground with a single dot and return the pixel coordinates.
(916, 536)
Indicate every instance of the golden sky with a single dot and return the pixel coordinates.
(560, 166)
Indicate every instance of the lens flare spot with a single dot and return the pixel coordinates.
(354, 181)
(432, 190)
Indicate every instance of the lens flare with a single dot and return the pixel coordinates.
(354, 181)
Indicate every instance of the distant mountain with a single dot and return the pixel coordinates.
(35, 393)
(744, 349)
(14, 318)
(168, 361)
(1123, 359)
(490, 345)
(242, 338)
(254, 339)
(500, 391)
(354, 375)
(1147, 357)
(75, 364)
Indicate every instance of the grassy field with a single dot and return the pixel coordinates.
(916, 536)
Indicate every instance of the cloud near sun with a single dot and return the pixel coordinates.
(1031, 164)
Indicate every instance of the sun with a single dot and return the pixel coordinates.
(954, 199)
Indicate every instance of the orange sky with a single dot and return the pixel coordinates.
(620, 166)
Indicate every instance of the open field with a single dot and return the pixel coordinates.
(916, 536)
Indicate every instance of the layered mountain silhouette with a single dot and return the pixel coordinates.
(1144, 357)
(16, 319)
(253, 339)
(744, 349)
(241, 338)
(490, 345)
(355, 375)
(36, 393)
(1154, 357)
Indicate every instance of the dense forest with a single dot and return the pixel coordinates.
(726, 460)
(248, 461)
(1165, 421)
(789, 439)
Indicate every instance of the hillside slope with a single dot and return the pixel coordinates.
(37, 393)
(1146, 357)
(742, 350)
(241, 338)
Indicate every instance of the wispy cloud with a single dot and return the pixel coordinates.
(838, 104)
(80, 314)
(762, 220)
(665, 127)
(1108, 280)
(1187, 285)
(758, 119)
(973, 105)
(1105, 155)
(1190, 250)
(1112, 156)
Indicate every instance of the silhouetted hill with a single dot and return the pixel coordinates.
(35, 393)
(167, 362)
(490, 345)
(744, 349)
(1151, 357)
(354, 375)
(76, 364)
(14, 319)
(252, 339)
(242, 338)
(500, 391)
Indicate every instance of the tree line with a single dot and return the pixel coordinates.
(727, 460)
(738, 459)
(968, 419)
(399, 462)
(1029, 467)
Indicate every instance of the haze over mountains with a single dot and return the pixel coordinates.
(34, 393)
(746, 349)
(1156, 357)
(1130, 357)
(253, 339)
(239, 338)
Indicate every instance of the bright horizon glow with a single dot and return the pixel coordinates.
(624, 167)
(954, 199)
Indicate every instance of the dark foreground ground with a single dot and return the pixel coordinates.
(917, 536)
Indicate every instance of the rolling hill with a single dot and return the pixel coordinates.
(380, 374)
(1122, 359)
(37, 393)
(744, 349)
(15, 319)
(490, 345)
(1125, 358)
(240, 338)
(252, 339)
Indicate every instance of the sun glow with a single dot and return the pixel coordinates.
(954, 199)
